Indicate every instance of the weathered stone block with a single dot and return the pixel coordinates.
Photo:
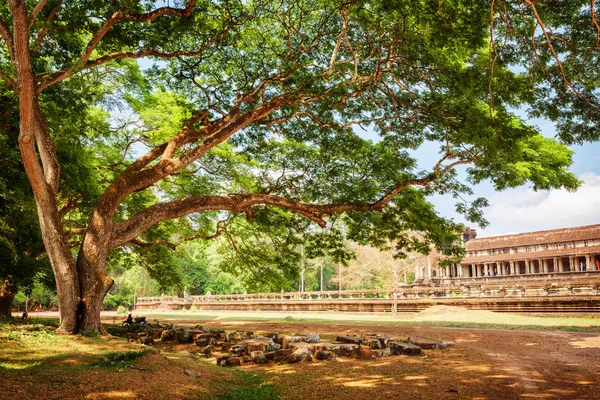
(424, 343)
(301, 354)
(261, 343)
(237, 349)
(383, 352)
(409, 349)
(147, 340)
(350, 339)
(324, 355)
(258, 357)
(229, 361)
(363, 353)
(205, 341)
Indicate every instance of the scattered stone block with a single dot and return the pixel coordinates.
(261, 343)
(444, 345)
(324, 355)
(350, 339)
(409, 349)
(236, 336)
(166, 335)
(229, 361)
(205, 341)
(383, 352)
(147, 340)
(338, 348)
(424, 343)
(189, 372)
(301, 354)
(258, 357)
(383, 339)
(285, 341)
(363, 353)
(237, 349)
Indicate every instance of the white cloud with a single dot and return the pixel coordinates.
(523, 210)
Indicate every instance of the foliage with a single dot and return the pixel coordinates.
(121, 310)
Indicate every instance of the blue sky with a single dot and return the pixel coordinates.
(524, 210)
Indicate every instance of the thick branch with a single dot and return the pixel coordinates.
(46, 151)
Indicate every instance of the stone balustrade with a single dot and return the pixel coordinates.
(499, 288)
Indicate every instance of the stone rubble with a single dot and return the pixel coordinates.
(232, 349)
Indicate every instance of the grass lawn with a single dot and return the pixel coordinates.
(436, 316)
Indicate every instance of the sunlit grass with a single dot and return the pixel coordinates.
(453, 317)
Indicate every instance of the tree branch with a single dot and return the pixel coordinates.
(7, 36)
(42, 33)
(84, 62)
(36, 10)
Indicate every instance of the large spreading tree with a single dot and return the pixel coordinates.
(255, 109)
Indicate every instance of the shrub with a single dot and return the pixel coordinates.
(193, 308)
(121, 310)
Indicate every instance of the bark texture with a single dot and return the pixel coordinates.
(7, 295)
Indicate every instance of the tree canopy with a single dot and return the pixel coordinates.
(243, 120)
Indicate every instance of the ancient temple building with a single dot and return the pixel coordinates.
(573, 249)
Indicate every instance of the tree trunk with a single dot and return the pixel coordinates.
(94, 283)
(42, 176)
(7, 295)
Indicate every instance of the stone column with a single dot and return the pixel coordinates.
(545, 265)
(559, 264)
(429, 267)
(512, 268)
(588, 261)
(527, 271)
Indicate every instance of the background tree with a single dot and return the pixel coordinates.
(255, 106)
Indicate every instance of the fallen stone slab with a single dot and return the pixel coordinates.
(363, 353)
(189, 372)
(147, 340)
(340, 349)
(309, 337)
(324, 355)
(444, 345)
(205, 341)
(383, 352)
(404, 348)
(258, 357)
(237, 349)
(227, 361)
(424, 343)
(383, 339)
(354, 339)
(301, 354)
(278, 355)
(239, 336)
(261, 343)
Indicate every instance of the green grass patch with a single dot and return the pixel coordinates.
(250, 387)
(468, 319)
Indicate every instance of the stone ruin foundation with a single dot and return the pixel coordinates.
(235, 348)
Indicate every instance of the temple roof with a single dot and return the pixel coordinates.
(535, 238)
(532, 255)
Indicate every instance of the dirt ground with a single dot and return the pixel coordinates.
(484, 364)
